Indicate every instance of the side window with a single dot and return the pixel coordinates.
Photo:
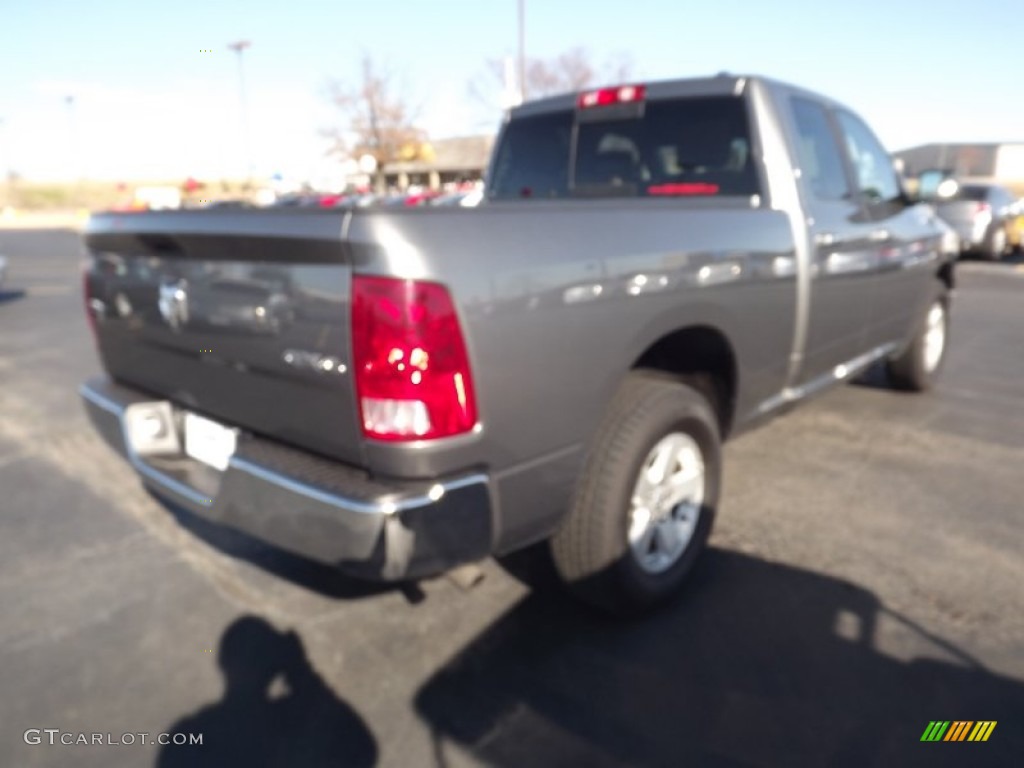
(820, 160)
(876, 177)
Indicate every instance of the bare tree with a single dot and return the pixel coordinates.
(569, 71)
(376, 121)
(572, 70)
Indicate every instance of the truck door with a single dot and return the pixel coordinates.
(906, 241)
(841, 246)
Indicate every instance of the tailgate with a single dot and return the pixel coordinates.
(242, 316)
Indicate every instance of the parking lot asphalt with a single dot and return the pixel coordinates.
(866, 577)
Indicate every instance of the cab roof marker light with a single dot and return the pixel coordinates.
(605, 97)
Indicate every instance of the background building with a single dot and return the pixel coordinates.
(444, 161)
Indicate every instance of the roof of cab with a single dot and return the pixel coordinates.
(722, 84)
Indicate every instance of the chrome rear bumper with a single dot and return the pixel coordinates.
(310, 505)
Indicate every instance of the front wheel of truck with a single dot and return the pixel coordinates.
(918, 367)
(646, 500)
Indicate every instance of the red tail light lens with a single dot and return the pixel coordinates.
(982, 207)
(411, 367)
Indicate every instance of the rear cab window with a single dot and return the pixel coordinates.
(976, 193)
(998, 197)
(694, 146)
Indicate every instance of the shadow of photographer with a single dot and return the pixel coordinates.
(276, 710)
(755, 664)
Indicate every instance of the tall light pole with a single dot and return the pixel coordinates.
(239, 47)
(6, 168)
(522, 50)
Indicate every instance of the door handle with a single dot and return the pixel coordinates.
(827, 239)
(846, 263)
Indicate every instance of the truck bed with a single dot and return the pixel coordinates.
(263, 343)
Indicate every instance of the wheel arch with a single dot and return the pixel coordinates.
(946, 274)
(702, 356)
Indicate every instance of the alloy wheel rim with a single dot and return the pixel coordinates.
(999, 242)
(934, 337)
(665, 505)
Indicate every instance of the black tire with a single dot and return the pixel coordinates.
(913, 370)
(591, 550)
(995, 244)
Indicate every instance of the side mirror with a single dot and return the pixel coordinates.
(907, 185)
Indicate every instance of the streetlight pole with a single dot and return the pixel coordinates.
(6, 168)
(522, 50)
(239, 47)
(74, 162)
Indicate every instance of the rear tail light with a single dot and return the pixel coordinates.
(982, 208)
(411, 367)
(603, 97)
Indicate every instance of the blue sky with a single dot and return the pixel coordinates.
(148, 103)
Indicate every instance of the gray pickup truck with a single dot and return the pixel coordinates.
(655, 268)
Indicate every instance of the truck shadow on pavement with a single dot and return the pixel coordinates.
(276, 710)
(876, 377)
(755, 664)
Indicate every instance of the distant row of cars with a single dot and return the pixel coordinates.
(463, 198)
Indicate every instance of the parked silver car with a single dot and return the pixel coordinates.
(983, 216)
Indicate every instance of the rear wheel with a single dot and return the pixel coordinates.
(919, 365)
(995, 246)
(646, 501)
